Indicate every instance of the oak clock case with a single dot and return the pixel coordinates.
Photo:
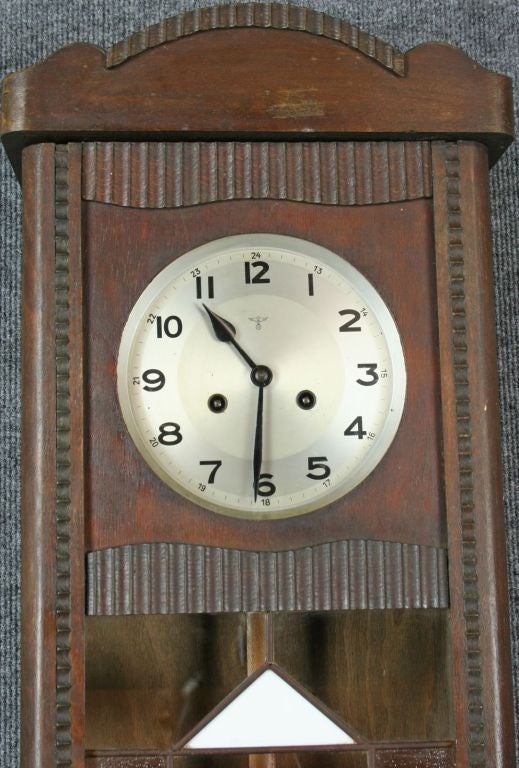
(263, 525)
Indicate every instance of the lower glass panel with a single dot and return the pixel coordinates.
(383, 675)
(150, 679)
(384, 672)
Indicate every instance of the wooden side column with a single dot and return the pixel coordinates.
(52, 689)
(38, 466)
(70, 459)
(38, 451)
(471, 442)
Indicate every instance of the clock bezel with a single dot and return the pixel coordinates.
(315, 252)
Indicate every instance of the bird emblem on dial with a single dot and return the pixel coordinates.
(258, 321)
(261, 425)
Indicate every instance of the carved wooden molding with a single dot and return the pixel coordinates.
(180, 174)
(457, 256)
(167, 578)
(264, 16)
(471, 441)
(380, 756)
(428, 757)
(126, 761)
(298, 85)
(63, 463)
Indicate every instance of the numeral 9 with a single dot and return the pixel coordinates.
(154, 379)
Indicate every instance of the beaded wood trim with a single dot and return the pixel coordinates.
(63, 474)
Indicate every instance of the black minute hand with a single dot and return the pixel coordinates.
(258, 442)
(225, 331)
(260, 375)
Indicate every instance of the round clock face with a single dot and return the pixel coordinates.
(261, 376)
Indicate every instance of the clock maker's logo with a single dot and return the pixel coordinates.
(259, 321)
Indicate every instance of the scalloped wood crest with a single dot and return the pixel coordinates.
(261, 15)
(310, 76)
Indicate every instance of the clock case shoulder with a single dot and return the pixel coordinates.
(267, 71)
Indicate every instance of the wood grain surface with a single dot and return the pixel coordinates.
(38, 655)
(391, 245)
(480, 645)
(480, 706)
(152, 679)
(297, 84)
(425, 688)
(262, 15)
(181, 174)
(430, 757)
(342, 575)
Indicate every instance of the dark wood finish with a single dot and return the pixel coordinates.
(430, 757)
(130, 760)
(260, 649)
(392, 246)
(495, 662)
(405, 757)
(154, 682)
(453, 665)
(288, 89)
(264, 760)
(211, 761)
(177, 175)
(271, 15)
(384, 673)
(70, 450)
(38, 657)
(481, 654)
(342, 575)
(318, 760)
(52, 438)
(259, 640)
(151, 680)
(135, 761)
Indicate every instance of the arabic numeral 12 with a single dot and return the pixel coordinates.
(261, 268)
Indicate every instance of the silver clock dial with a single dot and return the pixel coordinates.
(194, 351)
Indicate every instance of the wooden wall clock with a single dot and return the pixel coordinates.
(261, 490)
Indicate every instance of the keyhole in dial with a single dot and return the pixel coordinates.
(217, 403)
(306, 399)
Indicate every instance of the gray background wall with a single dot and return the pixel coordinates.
(488, 30)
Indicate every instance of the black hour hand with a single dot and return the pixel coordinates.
(225, 331)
